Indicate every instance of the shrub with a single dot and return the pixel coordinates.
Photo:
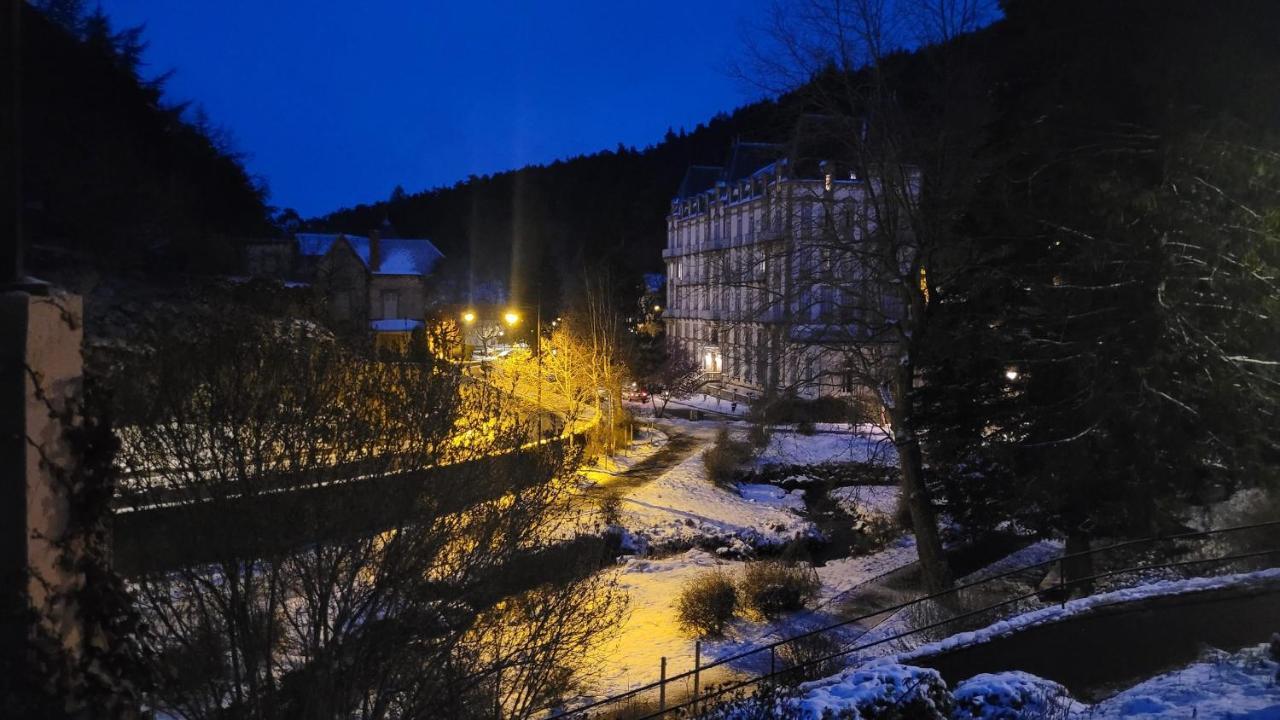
(766, 702)
(1011, 695)
(806, 427)
(875, 532)
(611, 508)
(893, 692)
(808, 658)
(723, 459)
(758, 436)
(707, 603)
(791, 409)
(771, 587)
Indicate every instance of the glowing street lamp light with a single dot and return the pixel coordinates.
(1011, 374)
(512, 318)
(657, 308)
(468, 317)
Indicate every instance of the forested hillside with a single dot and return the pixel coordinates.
(114, 176)
(557, 221)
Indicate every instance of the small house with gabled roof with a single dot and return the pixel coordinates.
(373, 283)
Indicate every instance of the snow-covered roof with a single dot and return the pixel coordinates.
(395, 325)
(399, 256)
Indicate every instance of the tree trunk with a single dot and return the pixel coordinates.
(1075, 570)
(924, 519)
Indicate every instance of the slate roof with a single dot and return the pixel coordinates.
(698, 178)
(747, 158)
(400, 256)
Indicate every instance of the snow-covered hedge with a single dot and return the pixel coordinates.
(1012, 695)
(879, 692)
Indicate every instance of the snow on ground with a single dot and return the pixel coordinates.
(683, 508)
(867, 444)
(866, 500)
(840, 576)
(1085, 605)
(772, 496)
(647, 442)
(1220, 685)
(708, 403)
(650, 631)
(901, 621)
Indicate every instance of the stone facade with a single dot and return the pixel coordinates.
(368, 283)
(746, 295)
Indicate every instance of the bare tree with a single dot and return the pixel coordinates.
(415, 540)
(677, 377)
(859, 248)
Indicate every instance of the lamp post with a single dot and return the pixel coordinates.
(513, 318)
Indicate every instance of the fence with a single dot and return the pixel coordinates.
(651, 700)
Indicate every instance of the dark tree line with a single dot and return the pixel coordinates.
(1062, 269)
(1106, 350)
(547, 226)
(112, 173)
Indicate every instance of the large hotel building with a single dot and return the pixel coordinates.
(752, 294)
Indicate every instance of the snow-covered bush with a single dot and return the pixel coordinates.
(768, 588)
(723, 459)
(706, 603)
(880, 692)
(1012, 695)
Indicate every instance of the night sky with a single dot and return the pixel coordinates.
(335, 103)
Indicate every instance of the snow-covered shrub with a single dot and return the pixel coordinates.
(706, 603)
(1012, 695)
(880, 692)
(768, 588)
(723, 459)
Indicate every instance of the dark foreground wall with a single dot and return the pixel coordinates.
(170, 537)
(1094, 654)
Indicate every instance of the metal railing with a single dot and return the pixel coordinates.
(615, 705)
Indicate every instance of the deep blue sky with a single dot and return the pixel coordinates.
(335, 103)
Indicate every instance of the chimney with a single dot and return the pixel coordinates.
(375, 251)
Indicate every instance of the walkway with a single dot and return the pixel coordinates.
(680, 445)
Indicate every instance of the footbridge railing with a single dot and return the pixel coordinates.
(685, 694)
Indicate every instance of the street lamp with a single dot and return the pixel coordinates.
(469, 317)
(513, 318)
